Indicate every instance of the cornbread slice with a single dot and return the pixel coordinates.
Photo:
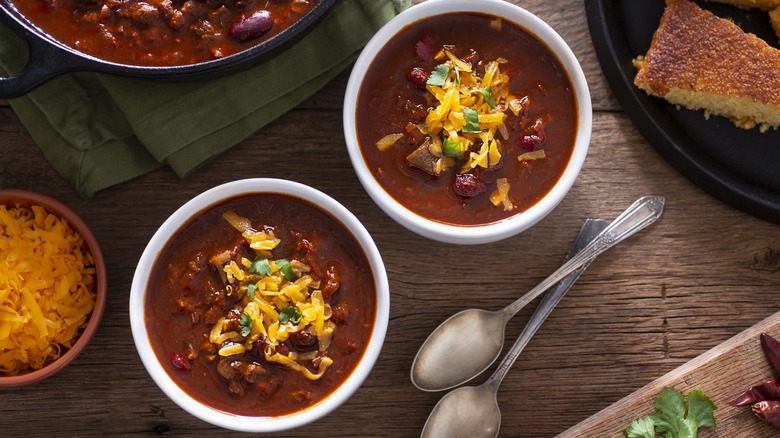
(774, 20)
(747, 4)
(700, 61)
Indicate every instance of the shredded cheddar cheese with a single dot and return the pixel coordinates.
(47, 287)
(501, 195)
(268, 299)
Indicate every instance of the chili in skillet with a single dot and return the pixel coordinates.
(162, 32)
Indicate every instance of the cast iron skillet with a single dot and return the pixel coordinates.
(50, 58)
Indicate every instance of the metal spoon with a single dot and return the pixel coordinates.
(468, 342)
(473, 411)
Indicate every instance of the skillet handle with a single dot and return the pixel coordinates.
(46, 61)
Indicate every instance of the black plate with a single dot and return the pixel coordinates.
(739, 167)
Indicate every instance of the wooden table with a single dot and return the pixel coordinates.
(701, 274)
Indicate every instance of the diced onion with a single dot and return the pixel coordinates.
(385, 142)
(533, 155)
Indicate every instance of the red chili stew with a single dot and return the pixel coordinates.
(231, 340)
(162, 32)
(498, 68)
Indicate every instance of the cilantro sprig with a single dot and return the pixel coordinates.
(669, 419)
(290, 313)
(246, 323)
(438, 75)
(472, 121)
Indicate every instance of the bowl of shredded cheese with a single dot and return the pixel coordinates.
(52, 286)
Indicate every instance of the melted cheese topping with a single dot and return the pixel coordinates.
(47, 287)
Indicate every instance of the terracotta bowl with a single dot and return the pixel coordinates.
(28, 199)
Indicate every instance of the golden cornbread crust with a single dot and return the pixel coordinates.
(774, 20)
(700, 61)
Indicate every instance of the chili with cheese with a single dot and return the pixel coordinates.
(466, 119)
(260, 306)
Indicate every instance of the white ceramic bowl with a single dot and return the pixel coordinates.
(214, 196)
(514, 224)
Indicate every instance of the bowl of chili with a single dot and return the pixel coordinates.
(54, 286)
(467, 121)
(156, 39)
(260, 305)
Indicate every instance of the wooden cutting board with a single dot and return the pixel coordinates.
(721, 373)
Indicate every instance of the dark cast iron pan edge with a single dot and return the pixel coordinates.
(49, 58)
(760, 202)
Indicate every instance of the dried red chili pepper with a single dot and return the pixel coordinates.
(768, 411)
(769, 390)
(772, 350)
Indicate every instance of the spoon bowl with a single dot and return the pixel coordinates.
(455, 417)
(481, 343)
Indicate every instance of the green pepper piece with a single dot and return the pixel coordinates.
(451, 148)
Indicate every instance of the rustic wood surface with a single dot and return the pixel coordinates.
(722, 372)
(703, 273)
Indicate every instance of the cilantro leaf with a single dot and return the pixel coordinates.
(641, 428)
(250, 290)
(260, 267)
(438, 75)
(488, 96)
(669, 419)
(286, 269)
(669, 412)
(701, 409)
(246, 324)
(290, 313)
(472, 121)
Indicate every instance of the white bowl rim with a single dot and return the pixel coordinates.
(214, 196)
(460, 234)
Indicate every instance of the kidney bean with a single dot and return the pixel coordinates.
(252, 26)
(468, 185)
(529, 142)
(423, 50)
(418, 77)
(179, 361)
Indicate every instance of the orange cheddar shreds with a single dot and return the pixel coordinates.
(47, 287)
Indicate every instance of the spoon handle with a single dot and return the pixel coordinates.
(587, 234)
(640, 214)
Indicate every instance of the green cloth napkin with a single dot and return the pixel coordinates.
(98, 130)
